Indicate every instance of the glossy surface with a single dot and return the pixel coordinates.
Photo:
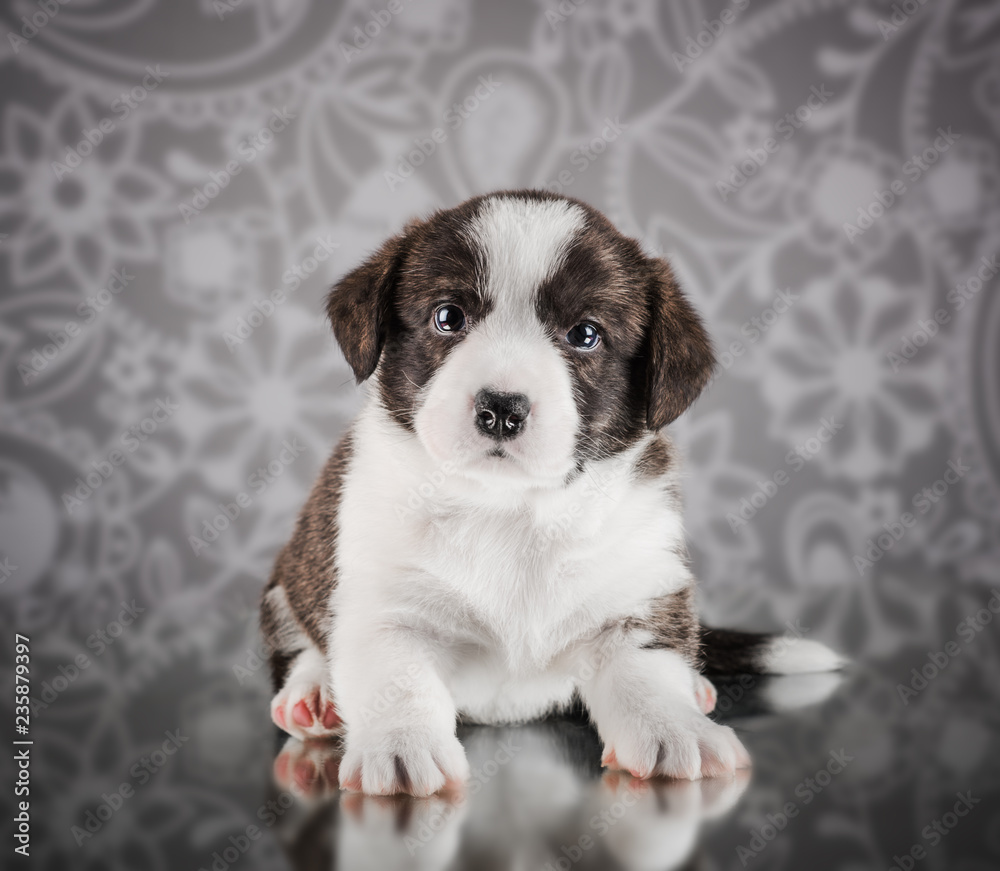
(832, 788)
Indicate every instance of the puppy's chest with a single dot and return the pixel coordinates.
(493, 554)
(534, 579)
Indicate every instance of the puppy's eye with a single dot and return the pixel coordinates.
(584, 336)
(449, 319)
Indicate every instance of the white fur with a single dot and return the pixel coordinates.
(521, 245)
(515, 583)
(790, 692)
(479, 585)
(799, 656)
(491, 586)
(644, 704)
(523, 242)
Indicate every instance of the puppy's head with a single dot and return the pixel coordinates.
(520, 335)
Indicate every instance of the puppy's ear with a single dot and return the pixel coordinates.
(360, 304)
(680, 358)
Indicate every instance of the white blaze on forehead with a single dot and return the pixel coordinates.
(523, 242)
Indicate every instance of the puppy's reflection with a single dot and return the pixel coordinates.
(537, 798)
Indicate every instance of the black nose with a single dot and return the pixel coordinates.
(501, 415)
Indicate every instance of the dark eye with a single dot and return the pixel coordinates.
(449, 319)
(584, 336)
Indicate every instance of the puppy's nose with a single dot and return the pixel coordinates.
(501, 415)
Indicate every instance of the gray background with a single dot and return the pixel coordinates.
(324, 176)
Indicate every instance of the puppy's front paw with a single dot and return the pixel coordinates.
(305, 710)
(686, 746)
(417, 761)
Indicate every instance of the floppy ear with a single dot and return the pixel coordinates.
(359, 305)
(680, 358)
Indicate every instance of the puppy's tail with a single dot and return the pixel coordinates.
(728, 651)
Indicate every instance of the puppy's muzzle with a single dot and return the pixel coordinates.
(501, 415)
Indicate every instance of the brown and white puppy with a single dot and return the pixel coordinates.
(499, 534)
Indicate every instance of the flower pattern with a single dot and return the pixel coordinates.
(78, 219)
(839, 355)
(888, 334)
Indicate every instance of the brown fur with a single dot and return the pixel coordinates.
(383, 308)
(655, 356)
(655, 461)
(653, 361)
(305, 567)
(673, 622)
(678, 348)
(602, 281)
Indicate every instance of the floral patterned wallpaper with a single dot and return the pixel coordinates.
(180, 183)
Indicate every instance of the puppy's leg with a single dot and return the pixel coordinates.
(303, 705)
(400, 716)
(644, 703)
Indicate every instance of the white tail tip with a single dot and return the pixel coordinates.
(799, 656)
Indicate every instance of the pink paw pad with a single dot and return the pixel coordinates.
(302, 715)
(304, 772)
(331, 719)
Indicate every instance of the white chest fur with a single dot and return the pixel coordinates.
(512, 583)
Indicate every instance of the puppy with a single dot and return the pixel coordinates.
(498, 536)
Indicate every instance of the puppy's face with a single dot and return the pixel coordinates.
(520, 335)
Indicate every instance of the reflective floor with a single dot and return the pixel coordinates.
(839, 782)
(146, 760)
